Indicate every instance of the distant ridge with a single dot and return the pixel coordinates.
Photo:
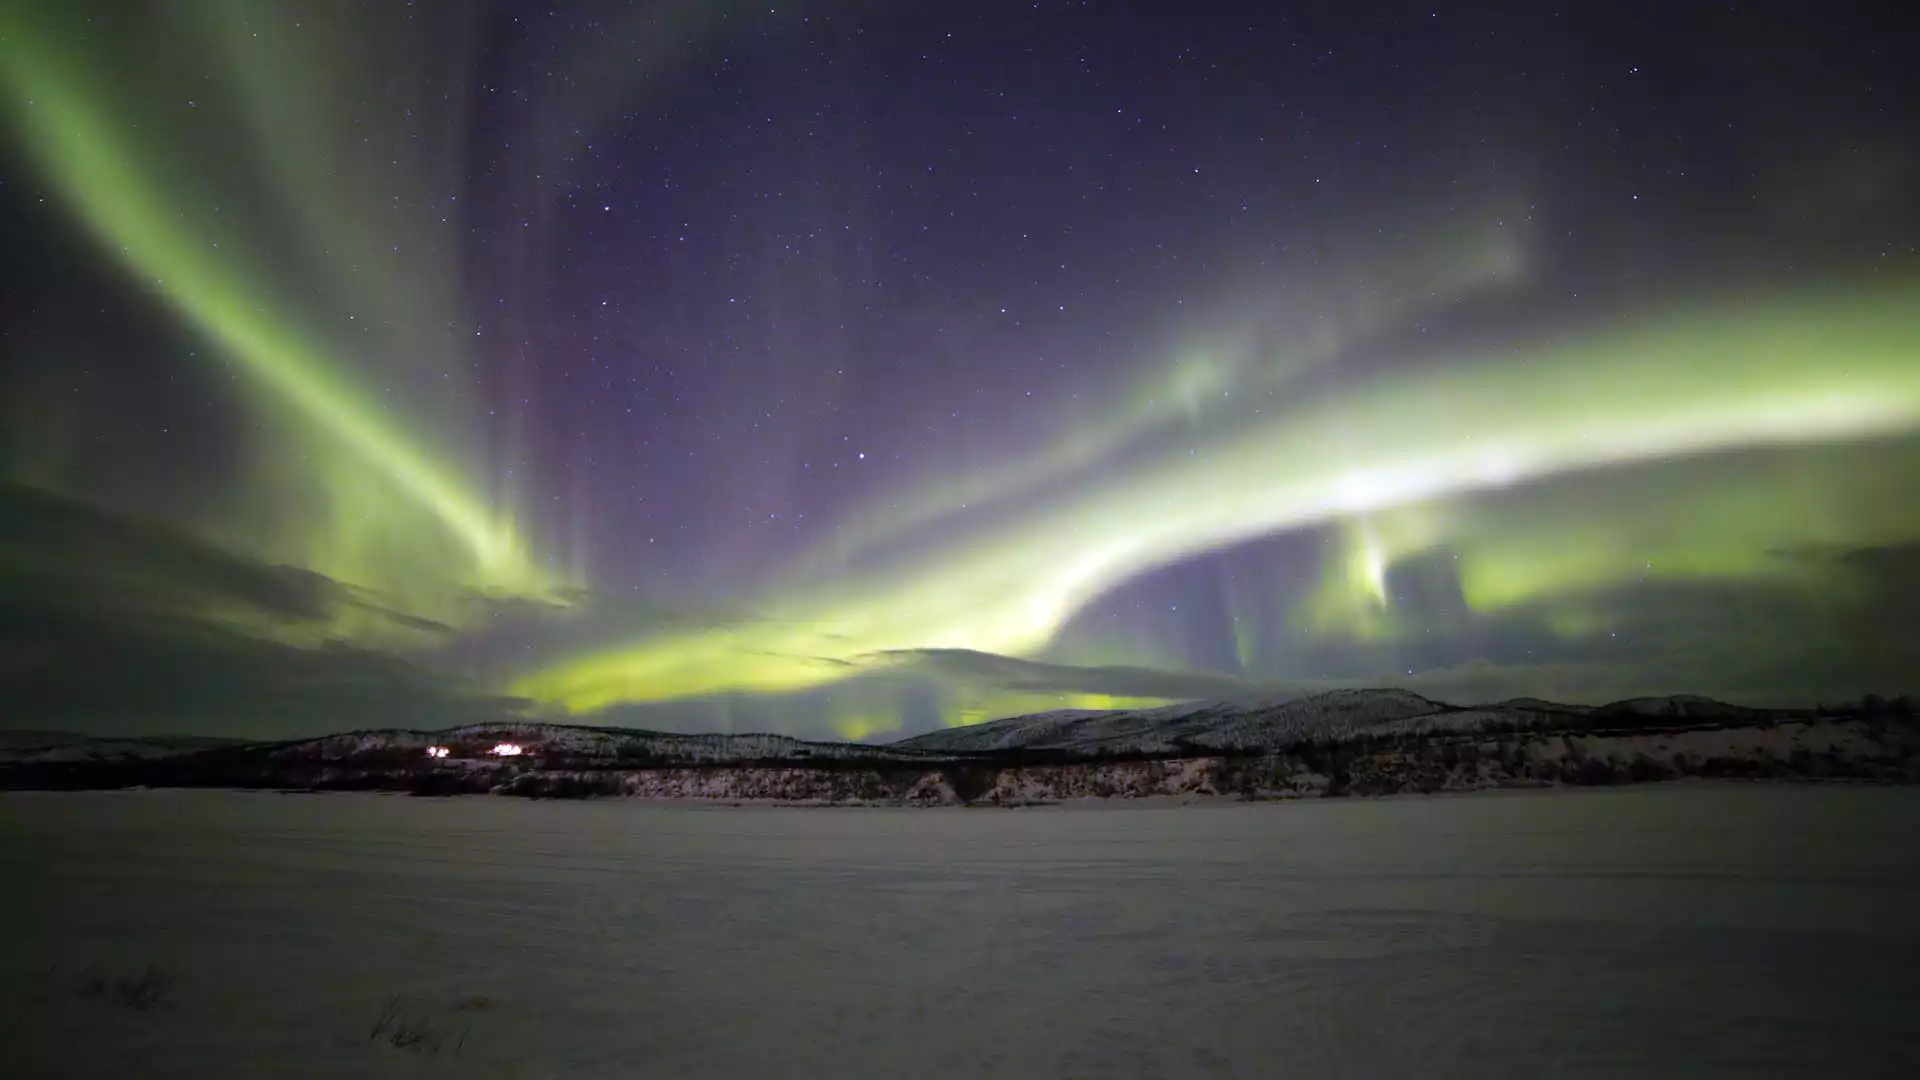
(1344, 742)
(1534, 704)
(67, 745)
(1233, 725)
(1230, 726)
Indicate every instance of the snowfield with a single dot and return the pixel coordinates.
(1669, 930)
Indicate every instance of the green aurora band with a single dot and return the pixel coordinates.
(404, 521)
(1752, 374)
(1495, 456)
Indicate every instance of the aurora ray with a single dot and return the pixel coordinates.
(852, 370)
(79, 144)
(1806, 371)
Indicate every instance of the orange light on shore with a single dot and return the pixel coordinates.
(507, 749)
(437, 751)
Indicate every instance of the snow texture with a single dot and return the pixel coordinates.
(1670, 930)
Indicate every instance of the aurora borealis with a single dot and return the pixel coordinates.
(860, 368)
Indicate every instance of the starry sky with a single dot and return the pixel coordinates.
(853, 369)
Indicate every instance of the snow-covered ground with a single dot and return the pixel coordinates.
(1670, 930)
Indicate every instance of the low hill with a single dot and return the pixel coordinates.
(1228, 724)
(577, 741)
(1240, 725)
(1341, 726)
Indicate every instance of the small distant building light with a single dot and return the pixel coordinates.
(437, 751)
(508, 749)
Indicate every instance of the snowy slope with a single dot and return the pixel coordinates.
(1684, 706)
(549, 741)
(1226, 724)
(1256, 724)
(1188, 728)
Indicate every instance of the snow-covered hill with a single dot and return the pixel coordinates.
(1682, 706)
(1272, 724)
(1229, 724)
(1233, 727)
(553, 741)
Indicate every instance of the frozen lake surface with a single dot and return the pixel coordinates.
(1655, 931)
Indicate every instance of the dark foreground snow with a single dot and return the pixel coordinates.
(1673, 931)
